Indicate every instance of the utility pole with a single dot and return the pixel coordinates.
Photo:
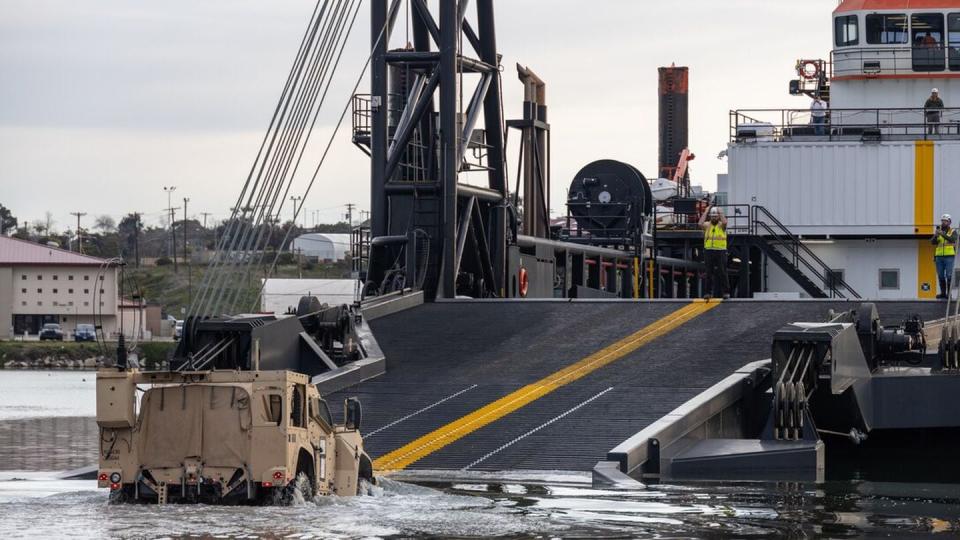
(173, 237)
(350, 207)
(205, 215)
(186, 256)
(296, 199)
(136, 237)
(79, 234)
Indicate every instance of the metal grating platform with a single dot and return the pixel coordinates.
(446, 360)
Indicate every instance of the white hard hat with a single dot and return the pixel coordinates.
(935, 91)
(945, 217)
(714, 211)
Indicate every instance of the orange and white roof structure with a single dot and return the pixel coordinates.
(892, 53)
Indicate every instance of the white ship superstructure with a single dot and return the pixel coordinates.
(864, 189)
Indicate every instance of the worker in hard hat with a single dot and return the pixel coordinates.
(932, 109)
(714, 225)
(945, 238)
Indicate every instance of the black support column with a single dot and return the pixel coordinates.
(449, 138)
(379, 36)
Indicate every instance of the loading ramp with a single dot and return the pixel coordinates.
(449, 361)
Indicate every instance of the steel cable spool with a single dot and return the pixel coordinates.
(609, 198)
(951, 347)
(778, 403)
(795, 412)
(953, 354)
(801, 406)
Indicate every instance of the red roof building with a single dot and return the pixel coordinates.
(14, 252)
(42, 284)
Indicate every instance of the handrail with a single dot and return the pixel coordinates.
(785, 124)
(795, 246)
(871, 61)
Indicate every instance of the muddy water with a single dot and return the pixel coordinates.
(48, 428)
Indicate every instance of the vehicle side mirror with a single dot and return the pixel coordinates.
(352, 413)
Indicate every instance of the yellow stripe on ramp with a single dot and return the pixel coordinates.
(416, 450)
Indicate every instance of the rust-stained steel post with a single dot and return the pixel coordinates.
(534, 139)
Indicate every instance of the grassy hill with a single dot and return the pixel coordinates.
(174, 290)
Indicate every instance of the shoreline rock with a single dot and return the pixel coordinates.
(55, 363)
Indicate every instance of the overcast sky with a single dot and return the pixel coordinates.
(104, 102)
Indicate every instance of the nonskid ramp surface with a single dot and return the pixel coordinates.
(447, 361)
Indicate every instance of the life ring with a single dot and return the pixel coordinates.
(809, 75)
(524, 282)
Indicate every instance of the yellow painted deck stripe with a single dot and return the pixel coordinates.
(923, 218)
(418, 449)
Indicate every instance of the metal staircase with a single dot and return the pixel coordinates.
(796, 259)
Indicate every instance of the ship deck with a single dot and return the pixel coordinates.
(553, 385)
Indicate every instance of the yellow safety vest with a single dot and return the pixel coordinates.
(715, 237)
(945, 249)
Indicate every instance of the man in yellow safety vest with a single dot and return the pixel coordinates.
(715, 252)
(945, 238)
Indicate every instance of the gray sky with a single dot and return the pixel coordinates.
(104, 102)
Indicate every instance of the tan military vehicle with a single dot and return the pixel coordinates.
(230, 436)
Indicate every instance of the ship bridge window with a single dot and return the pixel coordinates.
(927, 29)
(883, 29)
(953, 40)
(927, 38)
(846, 31)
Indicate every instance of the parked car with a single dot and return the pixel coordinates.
(177, 330)
(85, 332)
(51, 331)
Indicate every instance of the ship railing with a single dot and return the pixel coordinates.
(766, 225)
(413, 165)
(869, 61)
(684, 217)
(866, 124)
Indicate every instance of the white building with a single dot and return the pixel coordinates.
(42, 284)
(864, 191)
(322, 246)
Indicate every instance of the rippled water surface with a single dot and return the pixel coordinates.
(53, 432)
(531, 504)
